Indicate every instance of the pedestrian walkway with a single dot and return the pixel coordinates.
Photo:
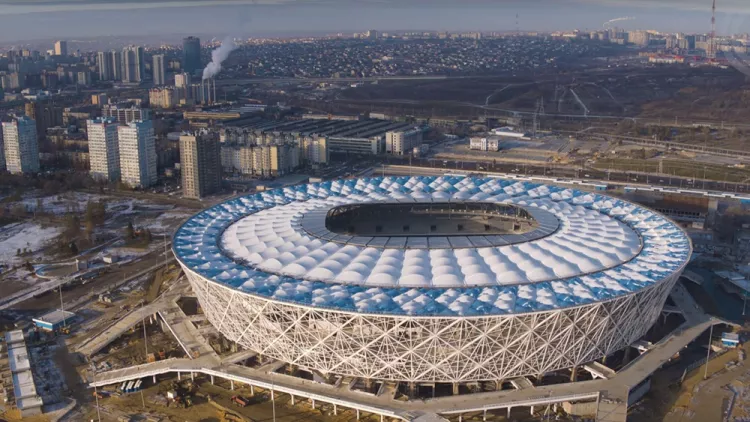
(611, 392)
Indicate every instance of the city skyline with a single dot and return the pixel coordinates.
(41, 19)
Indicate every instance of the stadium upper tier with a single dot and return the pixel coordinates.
(584, 248)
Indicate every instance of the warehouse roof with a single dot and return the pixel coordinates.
(55, 317)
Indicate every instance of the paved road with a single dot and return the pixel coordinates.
(98, 341)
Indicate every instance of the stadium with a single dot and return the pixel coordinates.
(431, 279)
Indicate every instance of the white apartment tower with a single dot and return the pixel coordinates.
(182, 83)
(116, 65)
(132, 64)
(61, 48)
(104, 63)
(21, 145)
(104, 153)
(158, 69)
(2, 152)
(137, 153)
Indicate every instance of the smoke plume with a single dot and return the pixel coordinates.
(218, 56)
(626, 18)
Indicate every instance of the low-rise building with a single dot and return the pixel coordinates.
(55, 320)
(26, 398)
(484, 144)
(403, 141)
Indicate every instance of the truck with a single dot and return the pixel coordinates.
(240, 401)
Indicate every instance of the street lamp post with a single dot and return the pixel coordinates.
(96, 394)
(145, 339)
(273, 400)
(708, 353)
(62, 305)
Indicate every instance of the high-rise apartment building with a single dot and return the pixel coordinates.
(2, 151)
(126, 114)
(17, 80)
(61, 48)
(104, 62)
(116, 65)
(104, 153)
(191, 55)
(182, 80)
(84, 78)
(314, 150)
(640, 38)
(182, 83)
(200, 164)
(99, 99)
(46, 114)
(21, 145)
(158, 69)
(163, 97)
(137, 153)
(133, 64)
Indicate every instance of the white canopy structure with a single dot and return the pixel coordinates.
(590, 278)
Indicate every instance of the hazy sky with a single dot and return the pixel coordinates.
(39, 19)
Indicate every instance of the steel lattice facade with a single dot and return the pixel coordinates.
(588, 279)
(403, 348)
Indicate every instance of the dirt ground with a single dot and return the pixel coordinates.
(695, 399)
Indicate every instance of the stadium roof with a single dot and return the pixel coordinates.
(602, 248)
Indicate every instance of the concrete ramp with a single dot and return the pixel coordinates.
(427, 417)
(117, 329)
(238, 357)
(599, 370)
(119, 376)
(610, 410)
(521, 383)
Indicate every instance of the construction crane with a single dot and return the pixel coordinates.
(711, 54)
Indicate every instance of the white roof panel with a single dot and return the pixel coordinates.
(591, 248)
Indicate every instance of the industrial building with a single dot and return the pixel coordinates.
(509, 132)
(447, 279)
(53, 321)
(24, 395)
(356, 137)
